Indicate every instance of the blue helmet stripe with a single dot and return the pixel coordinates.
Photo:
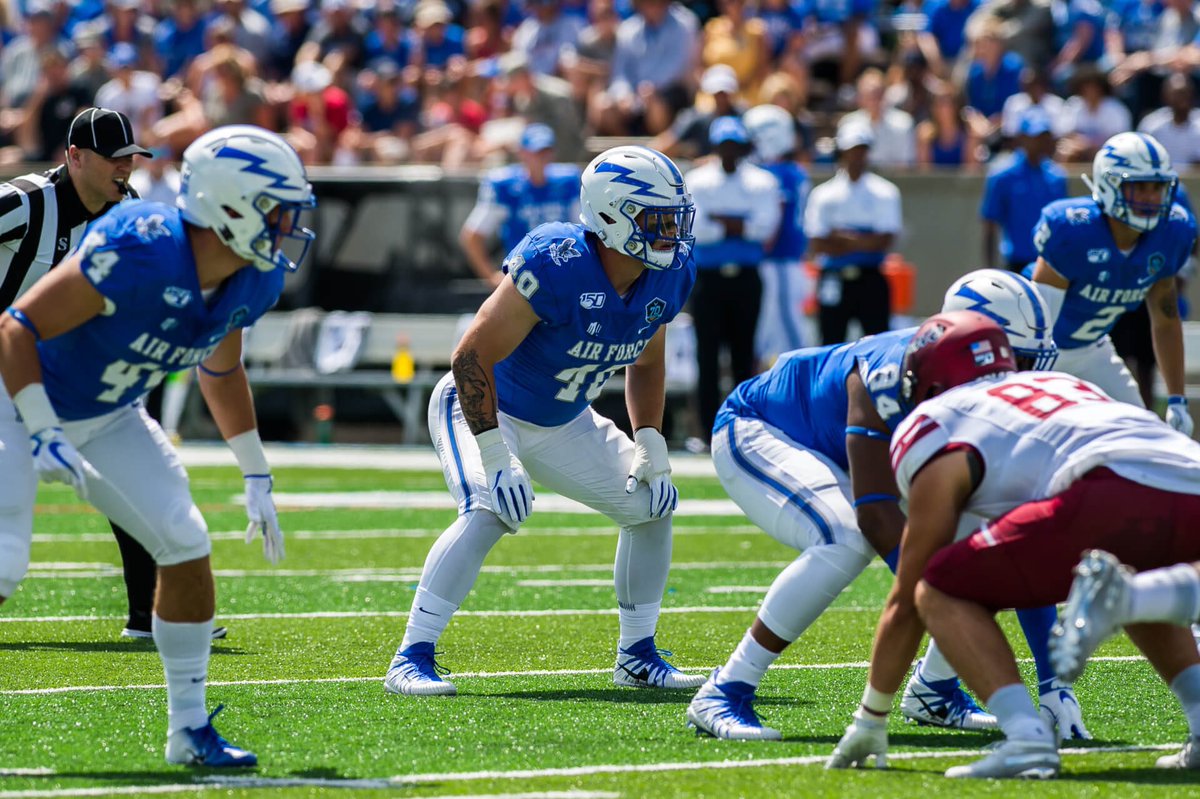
(1154, 162)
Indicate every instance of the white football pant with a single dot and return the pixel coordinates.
(1099, 363)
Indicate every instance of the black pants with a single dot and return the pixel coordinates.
(725, 311)
(141, 574)
(863, 295)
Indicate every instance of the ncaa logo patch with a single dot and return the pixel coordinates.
(591, 300)
(1100, 255)
(176, 297)
(655, 310)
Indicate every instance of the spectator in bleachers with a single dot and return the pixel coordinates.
(179, 37)
(784, 21)
(132, 91)
(994, 73)
(892, 130)
(740, 42)
(388, 115)
(441, 40)
(126, 23)
(222, 90)
(913, 92)
(319, 113)
(1017, 189)
(1035, 93)
(945, 32)
(1131, 26)
(89, 68)
(1026, 28)
(1091, 116)
(1177, 124)
(48, 111)
(589, 65)
(515, 199)
(546, 99)
(289, 31)
(487, 35)
(1140, 74)
(451, 119)
(389, 40)
(339, 30)
(688, 137)
(21, 59)
(840, 37)
(651, 71)
(252, 31)
(738, 207)
(156, 178)
(1078, 37)
(546, 34)
(946, 139)
(782, 89)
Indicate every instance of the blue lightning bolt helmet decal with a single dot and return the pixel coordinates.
(625, 175)
(256, 165)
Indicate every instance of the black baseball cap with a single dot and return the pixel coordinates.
(106, 131)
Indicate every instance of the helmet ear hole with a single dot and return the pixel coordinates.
(608, 220)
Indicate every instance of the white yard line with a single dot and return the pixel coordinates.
(468, 675)
(428, 532)
(441, 500)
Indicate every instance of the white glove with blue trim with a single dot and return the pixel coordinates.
(1178, 416)
(57, 461)
(509, 485)
(264, 520)
(652, 467)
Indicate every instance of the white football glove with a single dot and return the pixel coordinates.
(1060, 711)
(652, 467)
(264, 521)
(1178, 416)
(865, 737)
(510, 487)
(57, 461)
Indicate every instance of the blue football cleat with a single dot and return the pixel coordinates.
(943, 703)
(416, 672)
(204, 746)
(642, 666)
(726, 710)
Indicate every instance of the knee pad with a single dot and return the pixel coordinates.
(181, 536)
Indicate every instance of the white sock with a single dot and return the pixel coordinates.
(428, 618)
(749, 662)
(1170, 595)
(637, 622)
(934, 666)
(1018, 717)
(184, 648)
(1186, 687)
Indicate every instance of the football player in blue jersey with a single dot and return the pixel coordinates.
(784, 285)
(803, 450)
(153, 290)
(580, 302)
(1101, 256)
(515, 199)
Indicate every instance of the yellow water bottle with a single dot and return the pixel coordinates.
(402, 362)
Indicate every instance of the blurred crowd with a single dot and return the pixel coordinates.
(454, 82)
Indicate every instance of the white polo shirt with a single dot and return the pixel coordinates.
(870, 204)
(1182, 141)
(749, 192)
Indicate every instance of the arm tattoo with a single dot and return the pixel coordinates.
(1168, 306)
(476, 393)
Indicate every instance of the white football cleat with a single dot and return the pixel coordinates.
(415, 671)
(642, 666)
(726, 710)
(1099, 598)
(1188, 757)
(1013, 759)
(942, 703)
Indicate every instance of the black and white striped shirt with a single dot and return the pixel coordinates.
(41, 220)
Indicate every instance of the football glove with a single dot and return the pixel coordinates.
(264, 521)
(509, 485)
(57, 461)
(1178, 416)
(866, 736)
(652, 467)
(1061, 712)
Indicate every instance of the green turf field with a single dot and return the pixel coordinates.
(82, 712)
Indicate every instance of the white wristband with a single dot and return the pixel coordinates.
(248, 450)
(877, 702)
(36, 411)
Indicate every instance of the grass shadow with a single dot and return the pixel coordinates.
(124, 645)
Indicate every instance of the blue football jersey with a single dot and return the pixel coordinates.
(804, 393)
(790, 241)
(507, 195)
(156, 319)
(1074, 238)
(587, 331)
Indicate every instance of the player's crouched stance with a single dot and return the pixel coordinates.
(1057, 467)
(583, 302)
(152, 290)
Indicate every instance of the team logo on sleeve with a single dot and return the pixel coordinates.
(563, 251)
(1078, 216)
(151, 227)
(1154, 265)
(238, 318)
(591, 300)
(176, 297)
(655, 310)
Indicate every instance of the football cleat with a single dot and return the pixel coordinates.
(642, 666)
(416, 672)
(1099, 597)
(1188, 757)
(145, 635)
(1061, 712)
(726, 710)
(204, 746)
(942, 703)
(1012, 759)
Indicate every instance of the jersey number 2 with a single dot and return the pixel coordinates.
(1097, 326)
(120, 376)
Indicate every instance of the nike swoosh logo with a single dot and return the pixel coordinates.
(423, 610)
(199, 679)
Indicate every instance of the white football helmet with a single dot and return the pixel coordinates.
(233, 178)
(634, 198)
(773, 131)
(1132, 158)
(1014, 303)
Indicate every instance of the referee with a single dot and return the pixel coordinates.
(42, 218)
